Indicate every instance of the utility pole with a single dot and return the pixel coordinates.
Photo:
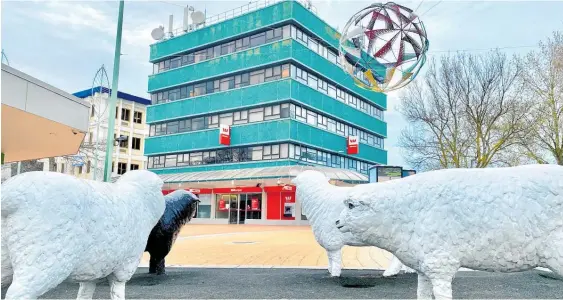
(113, 97)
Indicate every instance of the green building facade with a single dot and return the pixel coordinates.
(273, 75)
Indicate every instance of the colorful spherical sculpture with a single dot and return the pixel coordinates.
(383, 47)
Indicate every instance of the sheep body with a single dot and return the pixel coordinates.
(57, 227)
(180, 209)
(498, 219)
(322, 203)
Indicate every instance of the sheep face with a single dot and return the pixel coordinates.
(355, 218)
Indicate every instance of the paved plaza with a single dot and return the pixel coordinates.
(209, 283)
(262, 246)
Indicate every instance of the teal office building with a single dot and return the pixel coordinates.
(272, 77)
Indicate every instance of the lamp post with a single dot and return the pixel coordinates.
(113, 98)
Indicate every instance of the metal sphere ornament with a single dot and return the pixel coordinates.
(383, 47)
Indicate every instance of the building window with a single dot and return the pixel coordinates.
(136, 143)
(125, 142)
(134, 167)
(125, 114)
(93, 111)
(88, 166)
(138, 117)
(121, 168)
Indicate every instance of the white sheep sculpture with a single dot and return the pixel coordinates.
(57, 227)
(497, 220)
(322, 204)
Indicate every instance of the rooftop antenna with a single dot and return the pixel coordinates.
(187, 11)
(5, 58)
(158, 33)
(197, 17)
(171, 25)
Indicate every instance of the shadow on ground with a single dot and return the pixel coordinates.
(184, 283)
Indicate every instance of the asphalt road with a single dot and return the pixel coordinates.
(184, 283)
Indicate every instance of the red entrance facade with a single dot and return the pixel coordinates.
(246, 205)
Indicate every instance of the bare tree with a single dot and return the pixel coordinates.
(543, 79)
(467, 112)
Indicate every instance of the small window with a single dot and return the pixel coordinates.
(124, 143)
(138, 117)
(136, 143)
(121, 168)
(125, 114)
(134, 167)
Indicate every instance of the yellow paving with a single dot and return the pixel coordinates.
(256, 245)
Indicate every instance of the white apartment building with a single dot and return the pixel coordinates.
(130, 125)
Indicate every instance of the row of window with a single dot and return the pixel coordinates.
(124, 143)
(254, 41)
(257, 153)
(121, 168)
(125, 114)
(223, 49)
(320, 121)
(334, 92)
(265, 75)
(222, 84)
(260, 114)
(313, 44)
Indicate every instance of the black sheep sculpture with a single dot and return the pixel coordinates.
(180, 209)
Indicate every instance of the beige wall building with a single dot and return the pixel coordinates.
(130, 125)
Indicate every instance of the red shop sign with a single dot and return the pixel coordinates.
(279, 188)
(200, 191)
(238, 190)
(352, 145)
(224, 134)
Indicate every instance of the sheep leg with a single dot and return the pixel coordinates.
(7, 271)
(86, 290)
(117, 288)
(152, 265)
(160, 267)
(442, 288)
(335, 262)
(424, 287)
(394, 267)
(554, 256)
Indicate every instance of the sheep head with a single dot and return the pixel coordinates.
(356, 217)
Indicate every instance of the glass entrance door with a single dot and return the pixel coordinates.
(233, 209)
(241, 209)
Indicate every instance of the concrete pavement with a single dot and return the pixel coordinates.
(271, 246)
(207, 283)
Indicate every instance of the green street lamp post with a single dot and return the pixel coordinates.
(113, 98)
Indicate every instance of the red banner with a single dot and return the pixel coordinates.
(195, 191)
(353, 145)
(254, 204)
(238, 190)
(279, 188)
(225, 134)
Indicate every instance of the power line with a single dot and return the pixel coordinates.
(482, 49)
(420, 3)
(172, 3)
(431, 8)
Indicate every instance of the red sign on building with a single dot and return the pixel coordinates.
(352, 145)
(225, 134)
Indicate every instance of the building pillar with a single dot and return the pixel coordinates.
(264, 205)
(213, 206)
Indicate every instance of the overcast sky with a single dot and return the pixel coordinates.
(64, 43)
